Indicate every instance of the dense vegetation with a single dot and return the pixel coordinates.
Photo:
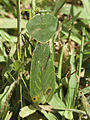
(45, 59)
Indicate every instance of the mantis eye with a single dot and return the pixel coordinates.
(35, 99)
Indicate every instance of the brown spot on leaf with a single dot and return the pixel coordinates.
(37, 29)
(48, 91)
(32, 33)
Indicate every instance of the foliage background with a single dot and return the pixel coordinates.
(74, 27)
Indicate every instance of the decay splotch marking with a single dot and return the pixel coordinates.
(37, 29)
(48, 91)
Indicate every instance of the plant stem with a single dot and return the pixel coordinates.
(24, 82)
(60, 63)
(21, 95)
(80, 59)
(33, 6)
(18, 30)
(19, 43)
(81, 55)
(10, 75)
(71, 27)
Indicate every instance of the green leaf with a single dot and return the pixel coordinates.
(42, 27)
(5, 97)
(3, 56)
(68, 115)
(49, 115)
(18, 66)
(58, 6)
(85, 90)
(5, 37)
(88, 99)
(84, 11)
(75, 36)
(86, 105)
(9, 40)
(72, 82)
(65, 81)
(86, 66)
(42, 74)
(36, 116)
(4, 100)
(13, 49)
(57, 103)
(26, 111)
(11, 23)
(8, 116)
(70, 97)
(86, 4)
(66, 9)
(60, 63)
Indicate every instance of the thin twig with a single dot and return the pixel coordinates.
(18, 30)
